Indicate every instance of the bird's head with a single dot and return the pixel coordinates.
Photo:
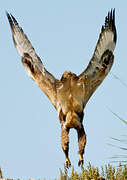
(66, 75)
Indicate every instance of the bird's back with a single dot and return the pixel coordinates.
(70, 95)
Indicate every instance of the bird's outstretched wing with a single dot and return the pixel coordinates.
(32, 63)
(103, 57)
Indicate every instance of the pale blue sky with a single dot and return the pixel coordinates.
(64, 34)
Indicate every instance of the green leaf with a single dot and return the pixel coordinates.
(116, 77)
(118, 116)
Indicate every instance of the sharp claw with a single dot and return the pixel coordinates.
(67, 163)
(81, 162)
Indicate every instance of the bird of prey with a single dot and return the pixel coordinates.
(70, 94)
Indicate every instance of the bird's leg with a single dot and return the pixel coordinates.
(81, 144)
(65, 144)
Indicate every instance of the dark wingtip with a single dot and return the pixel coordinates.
(110, 23)
(114, 26)
(9, 19)
(8, 16)
(14, 20)
(114, 15)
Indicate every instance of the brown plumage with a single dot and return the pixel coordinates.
(70, 94)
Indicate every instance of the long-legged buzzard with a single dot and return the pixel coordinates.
(70, 94)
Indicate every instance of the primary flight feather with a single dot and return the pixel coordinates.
(70, 94)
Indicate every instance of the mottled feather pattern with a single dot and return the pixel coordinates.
(106, 41)
(22, 43)
(108, 37)
(31, 61)
(110, 23)
(71, 93)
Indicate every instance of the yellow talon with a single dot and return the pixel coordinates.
(81, 161)
(67, 163)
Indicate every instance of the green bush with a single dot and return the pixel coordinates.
(91, 173)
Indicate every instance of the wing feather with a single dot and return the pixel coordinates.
(32, 63)
(102, 60)
(108, 37)
(107, 41)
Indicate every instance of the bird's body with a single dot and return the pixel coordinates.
(70, 94)
(70, 97)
